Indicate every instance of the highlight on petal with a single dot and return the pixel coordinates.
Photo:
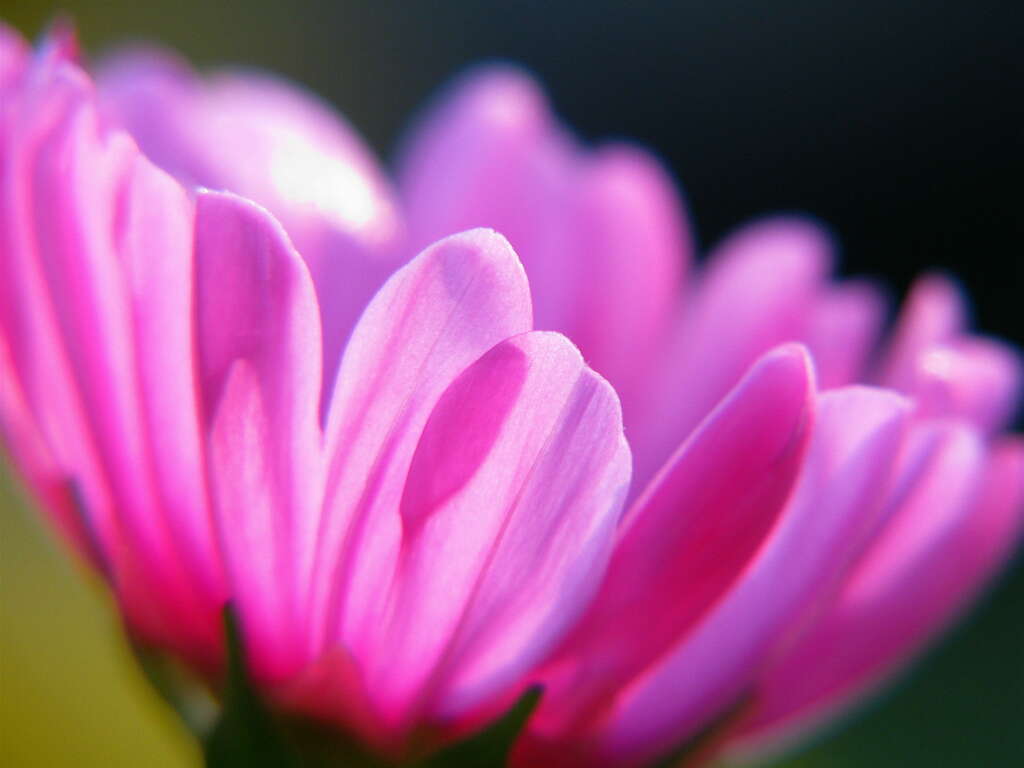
(972, 378)
(431, 319)
(258, 136)
(908, 583)
(934, 313)
(259, 377)
(508, 513)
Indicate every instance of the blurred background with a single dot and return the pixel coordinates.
(896, 122)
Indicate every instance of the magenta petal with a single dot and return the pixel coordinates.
(630, 249)
(508, 518)
(268, 140)
(934, 313)
(434, 317)
(757, 292)
(973, 378)
(843, 329)
(901, 590)
(490, 154)
(856, 439)
(259, 353)
(76, 188)
(14, 55)
(686, 539)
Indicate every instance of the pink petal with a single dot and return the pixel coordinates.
(934, 313)
(70, 325)
(508, 518)
(630, 246)
(14, 56)
(835, 504)
(688, 537)
(489, 154)
(259, 378)
(430, 320)
(280, 146)
(843, 330)
(904, 588)
(973, 378)
(30, 454)
(757, 292)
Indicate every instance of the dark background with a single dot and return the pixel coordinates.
(897, 123)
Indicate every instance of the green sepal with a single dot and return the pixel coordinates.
(245, 735)
(490, 747)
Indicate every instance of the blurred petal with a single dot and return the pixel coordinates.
(313, 172)
(14, 55)
(856, 438)
(934, 313)
(508, 515)
(756, 293)
(844, 328)
(973, 378)
(631, 248)
(902, 589)
(489, 154)
(433, 318)
(259, 378)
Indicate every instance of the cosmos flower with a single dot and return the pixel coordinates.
(785, 550)
(803, 517)
(402, 546)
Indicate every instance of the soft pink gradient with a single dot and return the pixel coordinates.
(434, 490)
(735, 579)
(161, 348)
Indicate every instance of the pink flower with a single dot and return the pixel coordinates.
(797, 546)
(805, 516)
(402, 541)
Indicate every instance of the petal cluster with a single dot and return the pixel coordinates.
(804, 517)
(414, 500)
(403, 541)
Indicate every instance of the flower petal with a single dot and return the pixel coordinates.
(687, 538)
(756, 293)
(971, 377)
(836, 503)
(74, 192)
(508, 516)
(14, 56)
(430, 320)
(845, 326)
(933, 313)
(259, 379)
(630, 246)
(313, 172)
(489, 154)
(902, 589)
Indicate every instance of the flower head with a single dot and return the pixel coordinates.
(789, 543)
(403, 540)
(412, 499)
